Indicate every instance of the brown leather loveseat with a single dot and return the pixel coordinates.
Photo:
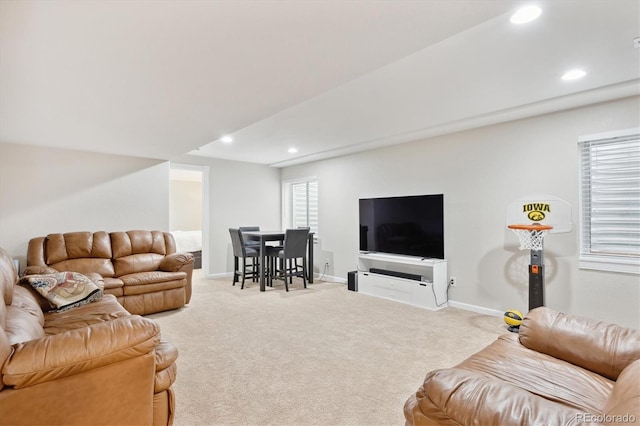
(140, 268)
(559, 370)
(94, 364)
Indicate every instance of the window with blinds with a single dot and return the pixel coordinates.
(300, 203)
(610, 201)
(305, 205)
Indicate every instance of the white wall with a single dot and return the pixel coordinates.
(480, 171)
(44, 190)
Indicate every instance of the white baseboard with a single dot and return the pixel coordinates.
(474, 308)
(327, 278)
(331, 279)
(219, 275)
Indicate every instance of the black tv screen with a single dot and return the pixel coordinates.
(411, 225)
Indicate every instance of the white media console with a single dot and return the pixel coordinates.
(412, 280)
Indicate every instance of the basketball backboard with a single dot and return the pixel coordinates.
(540, 209)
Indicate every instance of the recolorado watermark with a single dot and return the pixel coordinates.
(605, 418)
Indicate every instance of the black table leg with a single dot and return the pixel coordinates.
(263, 261)
(310, 255)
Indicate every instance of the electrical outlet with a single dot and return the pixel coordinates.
(326, 263)
(452, 281)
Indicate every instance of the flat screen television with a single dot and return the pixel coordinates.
(410, 225)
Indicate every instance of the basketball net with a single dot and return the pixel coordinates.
(531, 236)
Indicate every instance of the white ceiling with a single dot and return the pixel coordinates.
(159, 79)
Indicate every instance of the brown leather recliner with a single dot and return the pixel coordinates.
(94, 364)
(559, 370)
(140, 268)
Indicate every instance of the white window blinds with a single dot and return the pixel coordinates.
(610, 199)
(304, 196)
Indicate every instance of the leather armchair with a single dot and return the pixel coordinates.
(559, 370)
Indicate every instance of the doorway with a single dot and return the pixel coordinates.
(188, 220)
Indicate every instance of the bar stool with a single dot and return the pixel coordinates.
(295, 247)
(244, 252)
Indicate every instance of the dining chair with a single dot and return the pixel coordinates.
(250, 243)
(240, 251)
(295, 247)
(298, 266)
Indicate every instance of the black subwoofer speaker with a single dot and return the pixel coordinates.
(352, 280)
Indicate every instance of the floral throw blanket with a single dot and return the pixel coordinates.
(64, 290)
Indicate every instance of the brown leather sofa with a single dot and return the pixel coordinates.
(140, 268)
(559, 370)
(94, 364)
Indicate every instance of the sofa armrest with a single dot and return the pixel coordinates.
(603, 348)
(457, 396)
(35, 252)
(38, 270)
(624, 400)
(176, 261)
(180, 262)
(75, 351)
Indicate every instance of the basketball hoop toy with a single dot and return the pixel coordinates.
(532, 238)
(524, 218)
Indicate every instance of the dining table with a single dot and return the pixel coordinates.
(266, 236)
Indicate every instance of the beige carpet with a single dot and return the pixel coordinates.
(317, 356)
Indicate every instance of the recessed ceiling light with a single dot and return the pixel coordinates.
(292, 150)
(525, 14)
(573, 74)
(226, 139)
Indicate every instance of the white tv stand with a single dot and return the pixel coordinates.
(427, 289)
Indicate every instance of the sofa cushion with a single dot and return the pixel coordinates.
(137, 242)
(77, 245)
(65, 290)
(104, 267)
(82, 252)
(105, 309)
(142, 262)
(22, 326)
(25, 319)
(26, 299)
